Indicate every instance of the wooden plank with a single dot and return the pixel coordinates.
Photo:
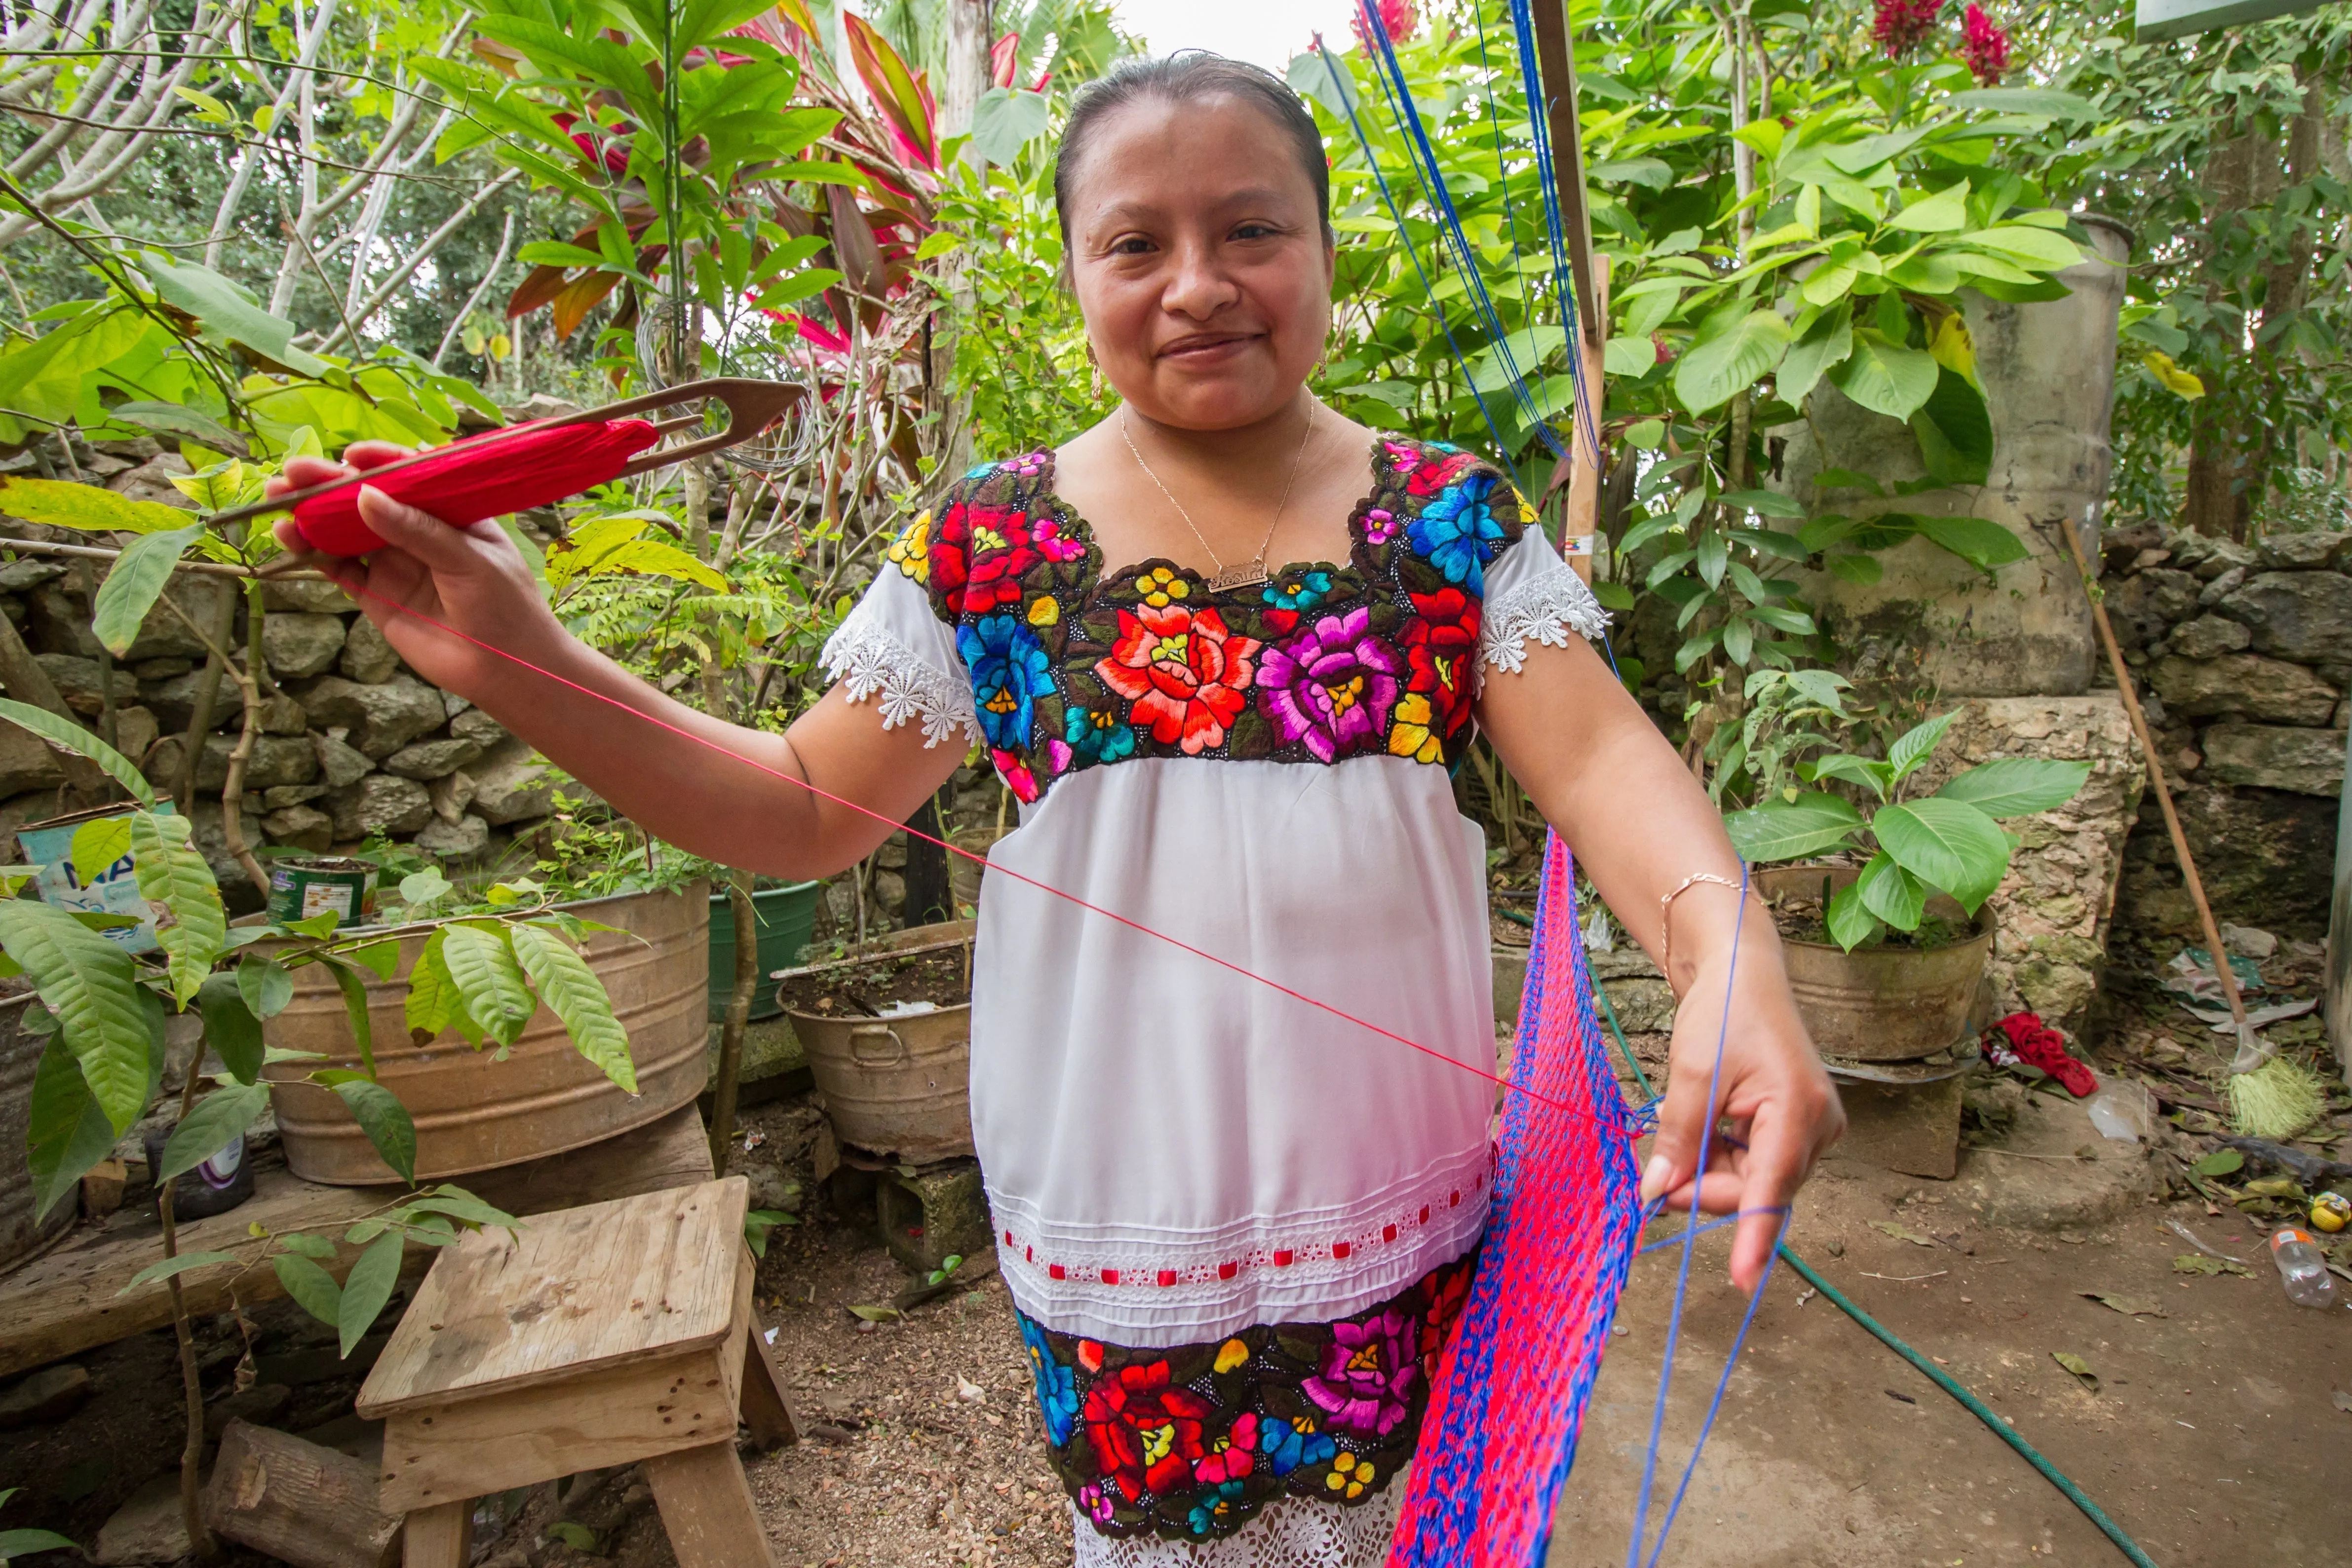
(706, 1507)
(441, 1537)
(766, 1409)
(1580, 525)
(299, 1503)
(603, 1285)
(613, 1416)
(68, 1300)
(1556, 69)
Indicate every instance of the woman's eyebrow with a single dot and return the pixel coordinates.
(1134, 211)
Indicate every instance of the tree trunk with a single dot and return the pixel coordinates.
(930, 895)
(2219, 496)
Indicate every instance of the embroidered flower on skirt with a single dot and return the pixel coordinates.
(1188, 1443)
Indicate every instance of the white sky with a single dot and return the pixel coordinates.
(1264, 32)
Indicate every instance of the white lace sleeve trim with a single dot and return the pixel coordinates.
(868, 659)
(1545, 609)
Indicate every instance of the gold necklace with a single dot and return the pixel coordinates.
(1243, 574)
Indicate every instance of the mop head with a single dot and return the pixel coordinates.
(2276, 1100)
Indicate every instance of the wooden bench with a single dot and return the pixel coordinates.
(605, 1335)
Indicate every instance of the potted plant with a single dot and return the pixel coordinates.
(1902, 935)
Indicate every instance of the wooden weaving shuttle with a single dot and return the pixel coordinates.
(519, 466)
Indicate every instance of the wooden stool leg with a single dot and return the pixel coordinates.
(441, 1536)
(763, 1408)
(706, 1505)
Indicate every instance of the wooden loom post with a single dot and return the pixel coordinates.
(1583, 469)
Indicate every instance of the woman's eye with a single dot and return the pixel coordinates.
(1253, 231)
(1133, 244)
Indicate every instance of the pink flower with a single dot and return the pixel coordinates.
(1230, 1457)
(1904, 24)
(1015, 774)
(1380, 525)
(1398, 18)
(1984, 47)
(1369, 1371)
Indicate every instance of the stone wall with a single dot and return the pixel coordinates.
(352, 742)
(2242, 654)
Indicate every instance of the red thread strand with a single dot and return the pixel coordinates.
(1132, 925)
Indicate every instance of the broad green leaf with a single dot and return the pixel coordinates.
(1007, 119)
(61, 504)
(67, 1131)
(70, 736)
(308, 1245)
(1876, 776)
(1714, 369)
(355, 1008)
(367, 1288)
(1827, 342)
(575, 995)
(387, 1122)
(1630, 358)
(138, 580)
(1784, 830)
(219, 1119)
(92, 985)
(1955, 430)
(230, 1028)
(420, 888)
(1980, 541)
(2220, 1162)
(1890, 892)
(653, 558)
(1949, 844)
(2039, 100)
(264, 985)
(1942, 213)
(1885, 377)
(432, 1001)
(1913, 746)
(460, 1204)
(1851, 924)
(171, 872)
(383, 957)
(184, 424)
(2017, 786)
(16, 1543)
(179, 1264)
(312, 1287)
(488, 981)
(230, 314)
(2034, 248)
(98, 845)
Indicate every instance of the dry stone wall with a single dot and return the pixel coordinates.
(353, 742)
(2243, 653)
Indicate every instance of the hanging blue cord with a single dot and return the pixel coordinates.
(1555, 230)
(1502, 174)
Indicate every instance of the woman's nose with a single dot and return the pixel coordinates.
(1199, 287)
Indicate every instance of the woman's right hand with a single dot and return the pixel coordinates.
(472, 581)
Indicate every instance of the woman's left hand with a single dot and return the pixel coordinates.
(1770, 1087)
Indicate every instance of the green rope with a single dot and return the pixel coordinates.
(1969, 1401)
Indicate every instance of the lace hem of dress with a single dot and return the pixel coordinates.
(1546, 611)
(866, 660)
(1294, 1533)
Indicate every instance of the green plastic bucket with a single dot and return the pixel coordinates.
(786, 915)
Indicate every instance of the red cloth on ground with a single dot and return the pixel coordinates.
(2036, 1044)
(479, 477)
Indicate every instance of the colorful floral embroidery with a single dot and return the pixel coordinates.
(1190, 1442)
(1074, 667)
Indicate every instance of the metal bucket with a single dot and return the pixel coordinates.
(898, 1085)
(20, 1054)
(474, 1112)
(1889, 1004)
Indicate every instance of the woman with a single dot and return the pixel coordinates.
(1236, 1228)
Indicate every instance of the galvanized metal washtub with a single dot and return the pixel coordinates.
(896, 1085)
(474, 1112)
(1885, 1004)
(20, 1054)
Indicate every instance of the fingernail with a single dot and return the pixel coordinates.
(1655, 1176)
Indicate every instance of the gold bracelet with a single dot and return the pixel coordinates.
(1665, 909)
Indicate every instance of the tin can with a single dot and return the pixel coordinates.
(114, 891)
(303, 889)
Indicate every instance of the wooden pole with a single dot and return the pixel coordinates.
(1584, 469)
(2247, 1045)
(2339, 934)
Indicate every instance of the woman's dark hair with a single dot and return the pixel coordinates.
(1188, 76)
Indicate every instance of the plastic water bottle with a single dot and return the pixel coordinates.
(2302, 1268)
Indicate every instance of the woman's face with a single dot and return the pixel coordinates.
(1199, 261)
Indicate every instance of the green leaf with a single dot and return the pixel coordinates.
(230, 1028)
(70, 736)
(311, 1288)
(1912, 748)
(2038, 249)
(383, 957)
(653, 558)
(420, 888)
(1955, 431)
(1007, 119)
(367, 1288)
(1885, 377)
(578, 1537)
(218, 1120)
(355, 1008)
(61, 504)
(575, 995)
(432, 1004)
(265, 983)
(138, 580)
(1942, 213)
(460, 1204)
(2220, 1162)
(1628, 358)
(387, 1122)
(1890, 892)
(230, 313)
(1828, 342)
(1716, 368)
(92, 985)
(184, 424)
(2017, 786)
(171, 872)
(1982, 542)
(2046, 102)
(1949, 844)
(308, 1245)
(14, 1543)
(1876, 776)
(1851, 924)
(67, 1131)
(488, 981)
(1782, 830)
(99, 846)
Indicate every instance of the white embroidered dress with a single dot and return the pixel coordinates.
(1175, 1153)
